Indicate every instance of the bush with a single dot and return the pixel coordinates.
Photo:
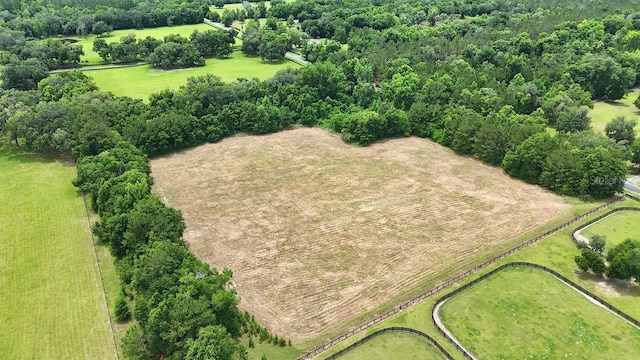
(122, 309)
(598, 242)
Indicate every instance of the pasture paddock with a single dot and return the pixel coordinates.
(52, 303)
(321, 234)
(141, 81)
(492, 318)
(616, 228)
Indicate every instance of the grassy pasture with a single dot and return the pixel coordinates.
(51, 299)
(91, 57)
(234, 6)
(492, 318)
(141, 81)
(324, 234)
(394, 346)
(556, 252)
(604, 112)
(616, 227)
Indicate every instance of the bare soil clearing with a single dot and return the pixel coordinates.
(317, 231)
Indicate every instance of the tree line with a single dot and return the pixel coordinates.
(51, 18)
(171, 52)
(270, 41)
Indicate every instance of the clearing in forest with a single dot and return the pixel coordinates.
(492, 318)
(603, 112)
(319, 232)
(52, 304)
(139, 82)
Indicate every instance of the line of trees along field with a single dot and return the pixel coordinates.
(174, 51)
(485, 78)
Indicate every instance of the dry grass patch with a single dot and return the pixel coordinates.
(318, 231)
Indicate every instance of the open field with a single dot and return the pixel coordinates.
(616, 227)
(320, 234)
(492, 318)
(394, 346)
(604, 112)
(52, 304)
(91, 57)
(141, 81)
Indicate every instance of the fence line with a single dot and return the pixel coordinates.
(104, 290)
(377, 333)
(600, 217)
(559, 276)
(458, 278)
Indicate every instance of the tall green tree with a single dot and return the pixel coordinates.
(23, 75)
(212, 342)
(589, 260)
(621, 129)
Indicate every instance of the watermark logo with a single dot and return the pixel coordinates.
(606, 180)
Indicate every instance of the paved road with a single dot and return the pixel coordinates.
(630, 184)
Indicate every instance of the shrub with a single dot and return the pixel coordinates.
(122, 309)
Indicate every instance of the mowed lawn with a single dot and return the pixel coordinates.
(394, 346)
(604, 112)
(51, 300)
(92, 58)
(141, 81)
(616, 227)
(528, 314)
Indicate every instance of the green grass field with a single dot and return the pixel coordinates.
(52, 304)
(604, 112)
(394, 346)
(492, 318)
(234, 6)
(141, 81)
(92, 58)
(616, 227)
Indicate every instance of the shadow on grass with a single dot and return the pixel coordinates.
(22, 155)
(610, 287)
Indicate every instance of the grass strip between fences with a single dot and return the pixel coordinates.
(104, 290)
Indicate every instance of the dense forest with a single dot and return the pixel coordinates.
(510, 84)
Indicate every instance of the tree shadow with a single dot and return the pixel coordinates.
(611, 288)
(616, 104)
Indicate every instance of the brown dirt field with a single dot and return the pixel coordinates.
(318, 232)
